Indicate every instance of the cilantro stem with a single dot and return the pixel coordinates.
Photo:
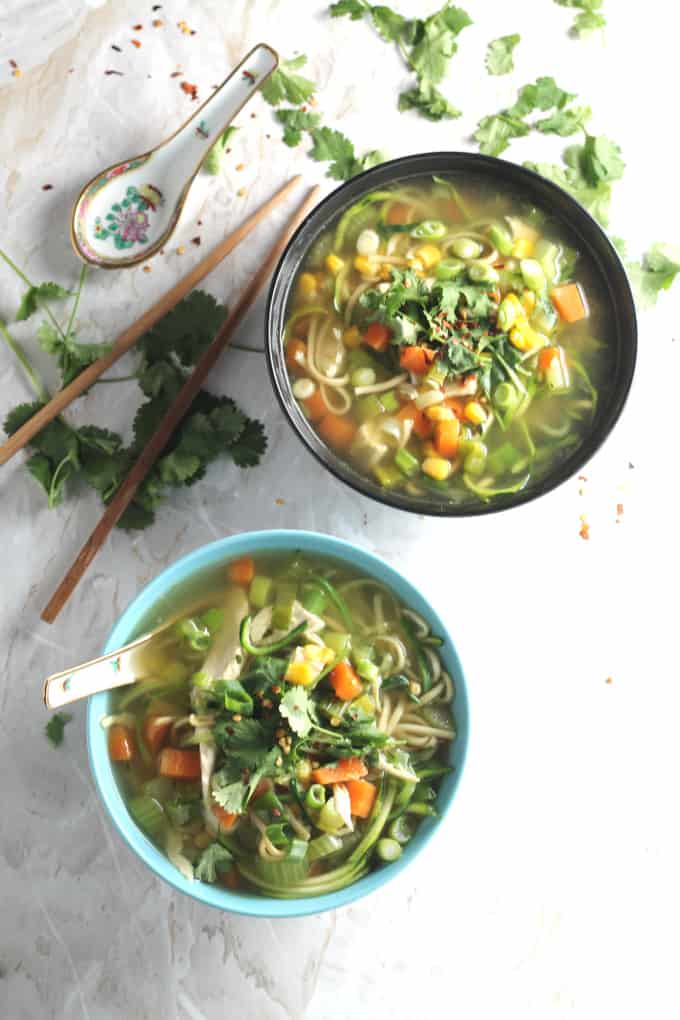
(32, 376)
(76, 300)
(22, 276)
(118, 378)
(251, 350)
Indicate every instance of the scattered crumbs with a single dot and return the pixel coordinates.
(180, 250)
(581, 491)
(191, 90)
(253, 116)
(585, 528)
(619, 512)
(156, 7)
(176, 74)
(137, 28)
(312, 101)
(241, 192)
(147, 269)
(136, 42)
(184, 28)
(116, 48)
(157, 23)
(16, 70)
(199, 223)
(280, 502)
(631, 467)
(267, 136)
(196, 240)
(119, 73)
(583, 478)
(609, 680)
(365, 520)
(240, 166)
(47, 187)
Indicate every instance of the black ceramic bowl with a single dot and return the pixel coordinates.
(586, 235)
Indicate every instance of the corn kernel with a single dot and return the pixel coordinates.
(334, 264)
(512, 299)
(300, 673)
(523, 248)
(365, 266)
(528, 301)
(313, 653)
(439, 413)
(437, 468)
(429, 449)
(351, 337)
(416, 265)
(474, 412)
(307, 286)
(429, 255)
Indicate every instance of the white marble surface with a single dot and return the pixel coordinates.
(552, 891)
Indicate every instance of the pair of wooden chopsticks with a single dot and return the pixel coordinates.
(186, 395)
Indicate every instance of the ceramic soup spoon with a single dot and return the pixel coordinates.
(128, 212)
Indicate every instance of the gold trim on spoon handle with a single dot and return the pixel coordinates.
(170, 420)
(129, 336)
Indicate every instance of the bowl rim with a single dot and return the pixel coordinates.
(210, 555)
(580, 222)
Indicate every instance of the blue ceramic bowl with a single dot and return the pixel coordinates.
(135, 620)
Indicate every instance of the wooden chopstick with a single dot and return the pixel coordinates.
(129, 336)
(170, 420)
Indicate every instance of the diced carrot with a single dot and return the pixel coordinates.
(296, 352)
(226, 819)
(241, 571)
(121, 743)
(415, 359)
(345, 682)
(341, 772)
(546, 357)
(337, 430)
(457, 405)
(377, 335)
(422, 426)
(176, 763)
(399, 213)
(568, 300)
(155, 729)
(301, 326)
(447, 438)
(361, 797)
(315, 406)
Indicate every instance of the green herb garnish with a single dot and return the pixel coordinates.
(656, 272)
(589, 18)
(54, 730)
(499, 54)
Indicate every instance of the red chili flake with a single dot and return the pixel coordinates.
(156, 7)
(137, 28)
(609, 680)
(13, 63)
(240, 166)
(136, 42)
(280, 502)
(199, 223)
(147, 269)
(249, 76)
(191, 90)
(116, 48)
(276, 812)
(619, 508)
(47, 187)
(184, 28)
(120, 73)
(583, 478)
(585, 528)
(176, 74)
(196, 240)
(156, 23)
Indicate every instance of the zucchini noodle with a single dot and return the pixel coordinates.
(265, 847)
(354, 297)
(389, 384)
(341, 402)
(311, 366)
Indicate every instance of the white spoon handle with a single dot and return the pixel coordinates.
(92, 677)
(187, 148)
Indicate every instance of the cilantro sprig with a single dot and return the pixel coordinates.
(54, 729)
(655, 272)
(426, 45)
(499, 54)
(62, 453)
(589, 18)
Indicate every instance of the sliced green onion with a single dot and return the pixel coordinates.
(363, 377)
(428, 230)
(389, 402)
(500, 238)
(388, 849)
(367, 670)
(420, 808)
(196, 636)
(315, 798)
(402, 829)
(449, 269)
(236, 697)
(279, 834)
(330, 819)
(406, 462)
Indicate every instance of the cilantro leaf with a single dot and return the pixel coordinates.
(435, 42)
(285, 85)
(72, 357)
(589, 18)
(429, 102)
(564, 122)
(355, 9)
(601, 160)
(494, 132)
(543, 94)
(332, 146)
(212, 164)
(54, 730)
(35, 296)
(19, 415)
(295, 122)
(657, 271)
(250, 446)
(295, 708)
(499, 54)
(213, 859)
(185, 331)
(231, 797)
